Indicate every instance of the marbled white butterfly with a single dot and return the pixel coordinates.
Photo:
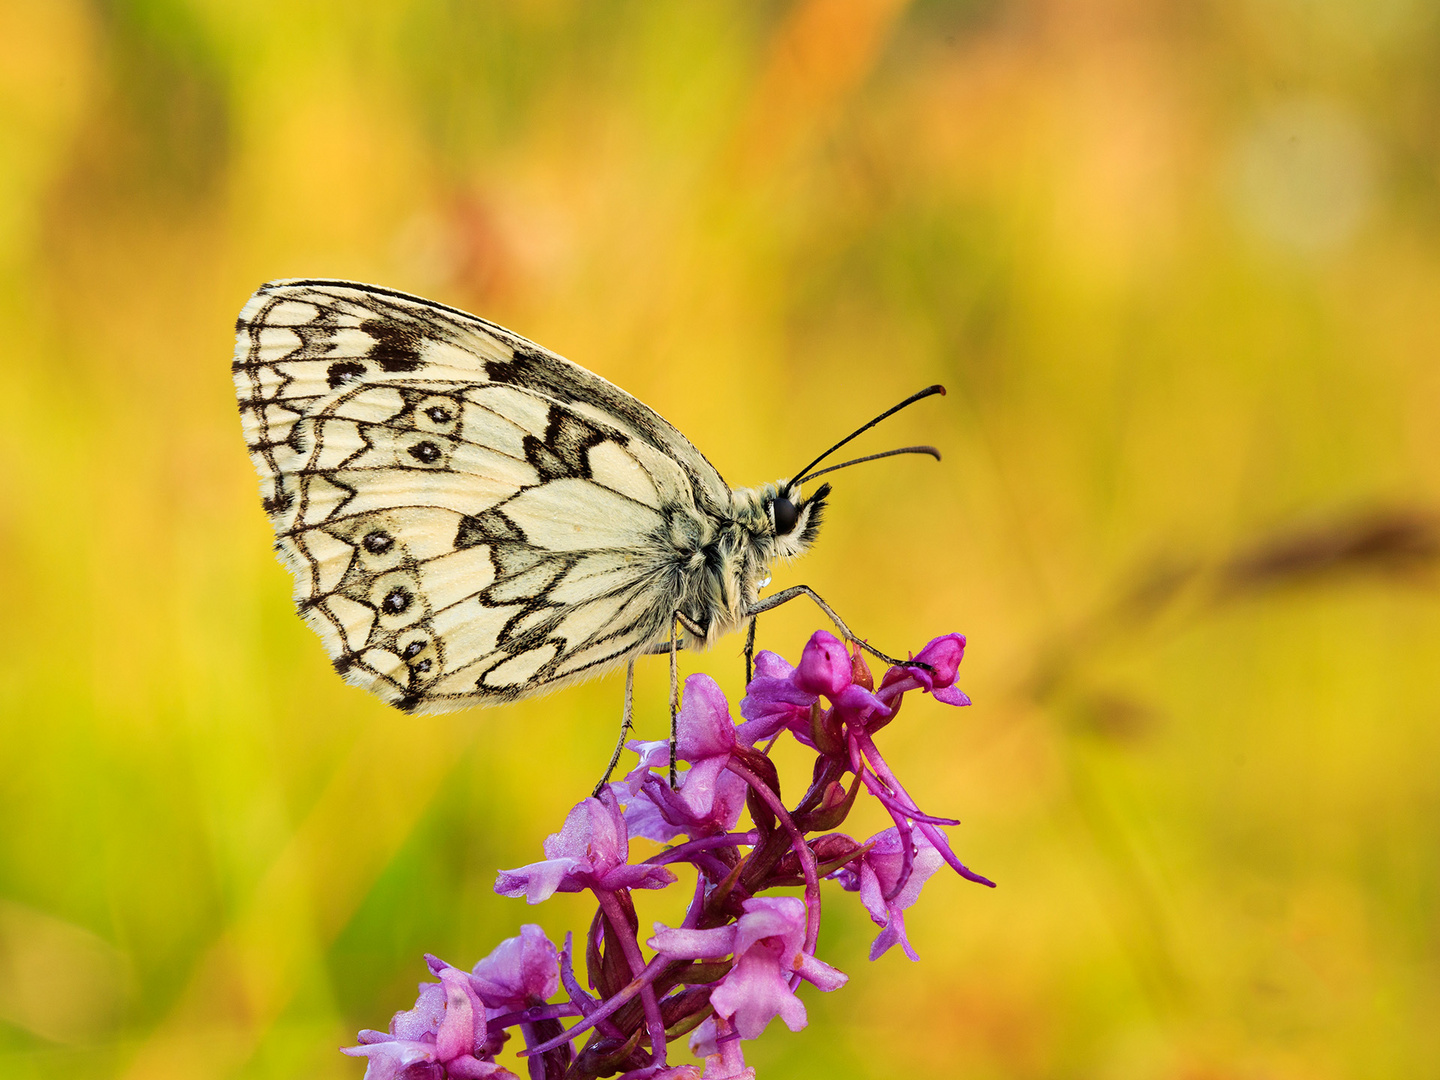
(471, 519)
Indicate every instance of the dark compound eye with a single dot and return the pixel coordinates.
(396, 601)
(426, 452)
(786, 515)
(377, 543)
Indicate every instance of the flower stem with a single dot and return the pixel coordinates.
(638, 968)
(681, 852)
(797, 843)
(626, 994)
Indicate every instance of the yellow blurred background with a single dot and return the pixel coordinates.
(1179, 266)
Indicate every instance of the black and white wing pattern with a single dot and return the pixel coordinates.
(469, 518)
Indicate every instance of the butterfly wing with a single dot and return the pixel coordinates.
(469, 518)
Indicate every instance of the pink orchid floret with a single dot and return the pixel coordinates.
(875, 876)
(519, 972)
(824, 666)
(781, 697)
(703, 728)
(773, 701)
(708, 798)
(591, 851)
(767, 944)
(442, 1038)
(717, 1041)
(943, 656)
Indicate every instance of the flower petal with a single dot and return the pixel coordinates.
(537, 881)
(818, 973)
(458, 1031)
(951, 695)
(824, 665)
(520, 971)
(685, 944)
(424, 1018)
(775, 700)
(858, 701)
(772, 665)
(712, 797)
(644, 876)
(704, 727)
(644, 817)
(944, 654)
(653, 755)
(468, 1067)
(754, 992)
(780, 917)
(389, 1059)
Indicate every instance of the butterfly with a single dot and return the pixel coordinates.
(471, 519)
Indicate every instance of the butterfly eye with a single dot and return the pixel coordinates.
(786, 515)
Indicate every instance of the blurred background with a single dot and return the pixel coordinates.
(1179, 266)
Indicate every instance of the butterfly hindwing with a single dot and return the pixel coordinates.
(468, 517)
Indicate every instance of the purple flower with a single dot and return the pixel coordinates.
(708, 799)
(724, 1060)
(781, 697)
(519, 972)
(830, 703)
(878, 871)
(824, 666)
(643, 817)
(704, 727)
(943, 654)
(589, 852)
(766, 942)
(773, 701)
(654, 754)
(442, 1038)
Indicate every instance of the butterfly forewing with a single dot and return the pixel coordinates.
(468, 517)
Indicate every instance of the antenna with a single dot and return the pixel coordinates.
(874, 457)
(805, 473)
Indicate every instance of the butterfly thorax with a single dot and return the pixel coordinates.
(728, 560)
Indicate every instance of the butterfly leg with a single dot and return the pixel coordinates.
(696, 631)
(786, 595)
(627, 719)
(750, 650)
(674, 698)
(625, 725)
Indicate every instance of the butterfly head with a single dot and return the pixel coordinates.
(792, 521)
(772, 521)
(784, 523)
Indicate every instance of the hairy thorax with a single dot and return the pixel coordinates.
(721, 563)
